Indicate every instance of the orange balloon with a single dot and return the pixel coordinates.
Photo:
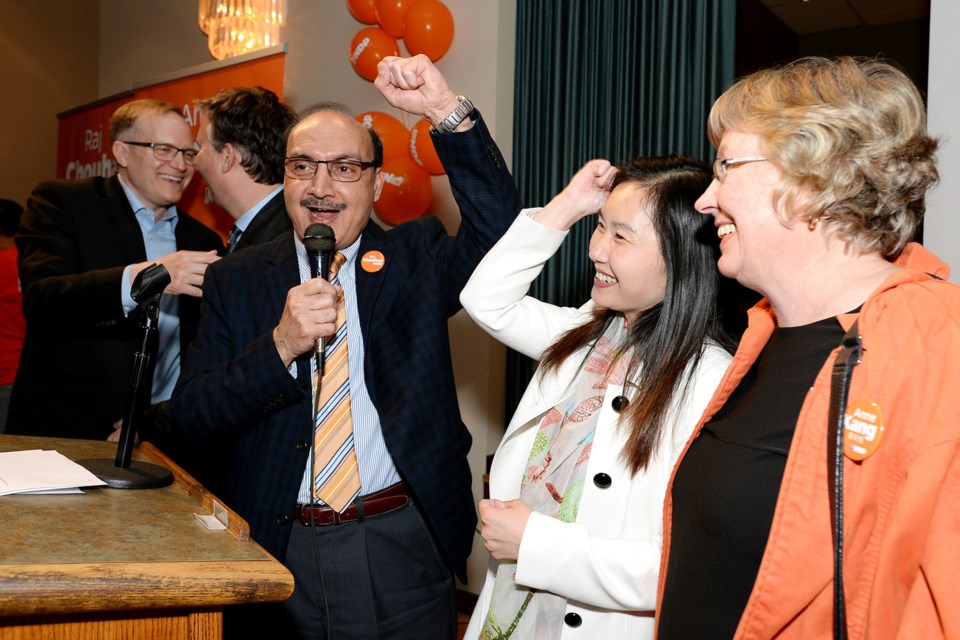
(428, 29)
(393, 134)
(406, 193)
(368, 48)
(422, 149)
(363, 10)
(390, 15)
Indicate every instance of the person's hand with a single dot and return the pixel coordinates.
(417, 87)
(585, 194)
(589, 187)
(115, 434)
(502, 525)
(309, 314)
(186, 269)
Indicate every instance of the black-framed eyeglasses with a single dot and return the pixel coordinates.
(721, 165)
(301, 168)
(167, 152)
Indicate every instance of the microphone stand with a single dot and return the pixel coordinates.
(121, 473)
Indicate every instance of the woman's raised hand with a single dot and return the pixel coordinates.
(584, 195)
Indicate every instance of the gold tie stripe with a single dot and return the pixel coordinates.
(336, 474)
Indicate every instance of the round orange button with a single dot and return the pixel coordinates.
(372, 261)
(863, 429)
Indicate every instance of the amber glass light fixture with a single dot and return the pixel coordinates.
(235, 27)
(207, 9)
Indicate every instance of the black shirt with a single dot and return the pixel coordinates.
(726, 487)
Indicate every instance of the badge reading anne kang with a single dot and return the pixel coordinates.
(372, 261)
(863, 429)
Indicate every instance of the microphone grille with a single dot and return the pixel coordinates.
(319, 237)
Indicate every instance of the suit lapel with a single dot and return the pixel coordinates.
(370, 283)
(114, 202)
(282, 273)
(281, 276)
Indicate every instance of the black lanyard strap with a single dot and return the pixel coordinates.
(847, 359)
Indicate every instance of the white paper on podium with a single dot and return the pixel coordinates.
(39, 471)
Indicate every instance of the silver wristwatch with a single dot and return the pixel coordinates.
(448, 124)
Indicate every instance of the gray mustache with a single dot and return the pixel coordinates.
(315, 203)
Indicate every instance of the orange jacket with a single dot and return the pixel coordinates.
(901, 504)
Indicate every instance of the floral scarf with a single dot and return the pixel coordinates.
(552, 485)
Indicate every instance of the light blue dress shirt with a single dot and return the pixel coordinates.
(377, 470)
(159, 239)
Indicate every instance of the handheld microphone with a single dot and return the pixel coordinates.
(319, 241)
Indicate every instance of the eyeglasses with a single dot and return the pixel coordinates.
(720, 165)
(300, 168)
(167, 152)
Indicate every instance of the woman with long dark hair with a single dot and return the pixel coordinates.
(574, 526)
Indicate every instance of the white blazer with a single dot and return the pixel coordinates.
(606, 563)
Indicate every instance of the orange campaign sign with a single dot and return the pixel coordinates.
(83, 140)
(83, 145)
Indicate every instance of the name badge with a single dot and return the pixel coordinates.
(862, 429)
(372, 261)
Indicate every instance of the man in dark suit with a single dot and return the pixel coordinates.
(384, 566)
(242, 138)
(81, 246)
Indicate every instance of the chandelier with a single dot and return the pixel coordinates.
(235, 27)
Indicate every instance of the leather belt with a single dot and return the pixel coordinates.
(374, 504)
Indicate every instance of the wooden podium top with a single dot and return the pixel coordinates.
(125, 549)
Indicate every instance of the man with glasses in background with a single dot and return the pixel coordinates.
(81, 245)
(374, 534)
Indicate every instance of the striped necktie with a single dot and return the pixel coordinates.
(235, 233)
(336, 474)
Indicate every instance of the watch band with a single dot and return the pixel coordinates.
(448, 124)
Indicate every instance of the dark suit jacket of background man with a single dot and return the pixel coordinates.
(271, 221)
(76, 238)
(234, 387)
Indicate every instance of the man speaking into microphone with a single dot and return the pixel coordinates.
(351, 467)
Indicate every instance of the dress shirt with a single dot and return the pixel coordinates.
(377, 470)
(159, 239)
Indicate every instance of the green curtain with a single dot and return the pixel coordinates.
(608, 79)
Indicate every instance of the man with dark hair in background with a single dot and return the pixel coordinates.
(242, 138)
(81, 246)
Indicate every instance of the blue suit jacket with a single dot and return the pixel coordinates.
(234, 388)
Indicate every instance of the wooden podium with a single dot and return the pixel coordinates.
(119, 563)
